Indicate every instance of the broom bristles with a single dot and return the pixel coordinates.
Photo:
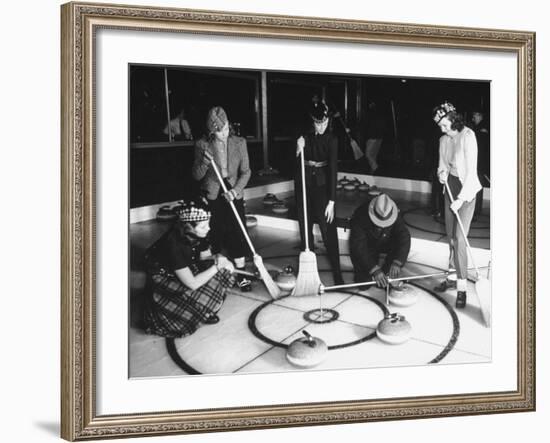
(270, 285)
(357, 153)
(308, 280)
(483, 291)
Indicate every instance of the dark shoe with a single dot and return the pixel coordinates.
(244, 284)
(212, 320)
(460, 300)
(444, 285)
(338, 280)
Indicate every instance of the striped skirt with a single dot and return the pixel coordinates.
(173, 310)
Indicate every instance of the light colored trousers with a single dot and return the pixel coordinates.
(458, 258)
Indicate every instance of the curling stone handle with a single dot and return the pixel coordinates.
(310, 340)
(248, 274)
(394, 317)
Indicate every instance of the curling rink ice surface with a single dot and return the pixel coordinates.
(255, 330)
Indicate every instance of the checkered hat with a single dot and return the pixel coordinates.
(193, 211)
(319, 112)
(442, 110)
(216, 119)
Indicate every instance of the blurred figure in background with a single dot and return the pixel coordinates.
(481, 128)
(179, 126)
(374, 129)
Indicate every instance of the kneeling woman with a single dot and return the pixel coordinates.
(186, 290)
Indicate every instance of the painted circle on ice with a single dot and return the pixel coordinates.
(321, 316)
(253, 319)
(298, 309)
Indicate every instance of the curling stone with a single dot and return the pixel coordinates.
(306, 352)
(350, 186)
(402, 294)
(394, 329)
(363, 187)
(374, 190)
(251, 221)
(286, 280)
(270, 199)
(279, 208)
(165, 213)
(344, 181)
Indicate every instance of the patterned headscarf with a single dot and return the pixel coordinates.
(319, 112)
(442, 111)
(216, 120)
(193, 211)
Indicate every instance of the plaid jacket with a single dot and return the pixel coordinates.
(238, 166)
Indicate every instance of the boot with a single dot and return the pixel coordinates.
(212, 319)
(444, 285)
(460, 299)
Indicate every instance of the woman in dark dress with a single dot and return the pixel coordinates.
(187, 284)
(321, 164)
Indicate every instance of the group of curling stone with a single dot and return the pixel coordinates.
(309, 351)
(356, 185)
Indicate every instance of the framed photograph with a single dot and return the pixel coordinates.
(275, 221)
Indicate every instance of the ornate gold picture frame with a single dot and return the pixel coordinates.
(80, 243)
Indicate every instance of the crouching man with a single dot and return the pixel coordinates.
(379, 241)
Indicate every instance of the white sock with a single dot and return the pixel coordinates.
(461, 284)
(239, 262)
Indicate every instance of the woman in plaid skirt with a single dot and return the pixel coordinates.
(186, 290)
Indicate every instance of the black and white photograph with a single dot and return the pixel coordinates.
(286, 217)
(304, 221)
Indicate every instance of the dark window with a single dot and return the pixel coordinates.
(148, 105)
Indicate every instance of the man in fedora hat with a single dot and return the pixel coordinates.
(379, 241)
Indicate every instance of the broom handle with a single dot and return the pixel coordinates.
(303, 167)
(462, 228)
(243, 229)
(341, 120)
(241, 272)
(390, 280)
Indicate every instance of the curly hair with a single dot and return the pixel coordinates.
(457, 121)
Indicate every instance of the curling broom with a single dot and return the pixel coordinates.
(308, 280)
(270, 285)
(482, 285)
(357, 153)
